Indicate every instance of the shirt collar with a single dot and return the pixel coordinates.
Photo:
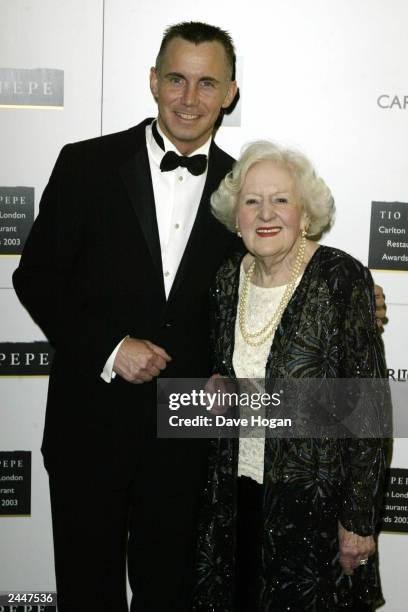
(158, 153)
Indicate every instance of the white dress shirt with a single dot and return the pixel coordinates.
(177, 195)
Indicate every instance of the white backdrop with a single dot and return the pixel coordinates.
(312, 73)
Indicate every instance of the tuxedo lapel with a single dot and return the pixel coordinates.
(218, 166)
(135, 173)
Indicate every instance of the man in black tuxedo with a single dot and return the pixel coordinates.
(116, 272)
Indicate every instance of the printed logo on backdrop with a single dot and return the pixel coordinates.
(388, 236)
(16, 218)
(395, 513)
(398, 378)
(232, 117)
(24, 608)
(28, 608)
(28, 601)
(25, 358)
(37, 87)
(392, 101)
(4, 607)
(398, 374)
(15, 483)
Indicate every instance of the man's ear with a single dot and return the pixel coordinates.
(231, 93)
(154, 82)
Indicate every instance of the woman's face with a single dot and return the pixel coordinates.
(269, 215)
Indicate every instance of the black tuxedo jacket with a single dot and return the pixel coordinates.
(91, 273)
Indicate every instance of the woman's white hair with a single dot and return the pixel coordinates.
(314, 195)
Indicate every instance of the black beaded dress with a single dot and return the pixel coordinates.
(328, 330)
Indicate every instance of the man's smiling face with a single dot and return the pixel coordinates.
(190, 87)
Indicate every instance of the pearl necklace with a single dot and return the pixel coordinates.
(261, 336)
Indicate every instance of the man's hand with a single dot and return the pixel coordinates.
(353, 549)
(380, 306)
(139, 361)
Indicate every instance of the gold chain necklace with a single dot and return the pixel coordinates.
(259, 337)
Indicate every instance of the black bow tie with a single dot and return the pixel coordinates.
(196, 164)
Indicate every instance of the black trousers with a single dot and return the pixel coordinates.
(145, 516)
(248, 569)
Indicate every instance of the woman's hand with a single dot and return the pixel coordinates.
(353, 549)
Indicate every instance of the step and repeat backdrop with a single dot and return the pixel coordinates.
(328, 78)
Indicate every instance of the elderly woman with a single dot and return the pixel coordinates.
(289, 524)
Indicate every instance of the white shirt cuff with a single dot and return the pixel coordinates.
(107, 373)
